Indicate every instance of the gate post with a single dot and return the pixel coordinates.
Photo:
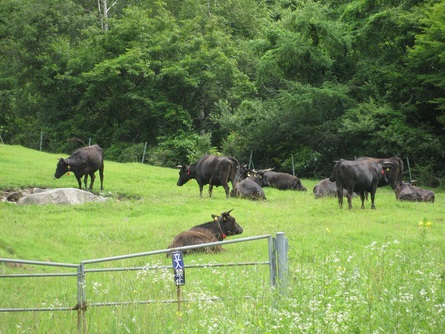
(272, 262)
(281, 247)
(81, 299)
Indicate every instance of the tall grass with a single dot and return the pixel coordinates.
(351, 271)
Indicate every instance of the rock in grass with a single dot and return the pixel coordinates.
(61, 196)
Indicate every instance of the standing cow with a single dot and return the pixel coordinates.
(83, 162)
(360, 176)
(278, 180)
(246, 187)
(216, 230)
(211, 170)
(393, 172)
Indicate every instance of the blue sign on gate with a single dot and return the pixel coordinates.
(178, 267)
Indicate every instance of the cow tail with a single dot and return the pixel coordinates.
(233, 172)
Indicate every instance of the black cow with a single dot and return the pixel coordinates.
(409, 192)
(281, 181)
(326, 188)
(211, 170)
(360, 176)
(393, 172)
(246, 187)
(216, 230)
(83, 162)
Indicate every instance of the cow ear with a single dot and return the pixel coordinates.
(215, 217)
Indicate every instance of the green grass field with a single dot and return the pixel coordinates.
(350, 271)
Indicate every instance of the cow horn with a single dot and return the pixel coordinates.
(229, 211)
(179, 166)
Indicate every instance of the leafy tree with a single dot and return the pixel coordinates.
(35, 39)
(299, 68)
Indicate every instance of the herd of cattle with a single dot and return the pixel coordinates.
(349, 178)
(360, 177)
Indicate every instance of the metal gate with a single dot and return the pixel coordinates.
(278, 271)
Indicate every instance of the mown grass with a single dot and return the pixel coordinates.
(358, 271)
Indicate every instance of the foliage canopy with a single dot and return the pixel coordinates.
(312, 81)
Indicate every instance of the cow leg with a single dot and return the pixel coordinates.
(210, 189)
(200, 190)
(362, 197)
(349, 195)
(225, 185)
(349, 199)
(372, 199)
(79, 181)
(85, 181)
(93, 177)
(340, 196)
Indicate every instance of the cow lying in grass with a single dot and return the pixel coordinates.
(278, 180)
(216, 230)
(409, 192)
(246, 187)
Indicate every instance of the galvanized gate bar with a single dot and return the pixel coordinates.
(37, 275)
(41, 263)
(163, 251)
(99, 270)
(37, 309)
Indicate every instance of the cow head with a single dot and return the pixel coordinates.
(63, 167)
(393, 173)
(333, 176)
(242, 173)
(184, 174)
(259, 176)
(388, 174)
(228, 224)
(300, 186)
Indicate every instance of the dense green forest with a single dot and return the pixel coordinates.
(278, 80)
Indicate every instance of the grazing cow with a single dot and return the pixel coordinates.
(393, 172)
(409, 192)
(246, 187)
(216, 230)
(360, 176)
(83, 162)
(211, 170)
(281, 181)
(326, 188)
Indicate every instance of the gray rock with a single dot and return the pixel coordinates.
(61, 196)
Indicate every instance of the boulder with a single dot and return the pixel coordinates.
(61, 196)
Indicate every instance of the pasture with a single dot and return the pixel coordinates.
(351, 271)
